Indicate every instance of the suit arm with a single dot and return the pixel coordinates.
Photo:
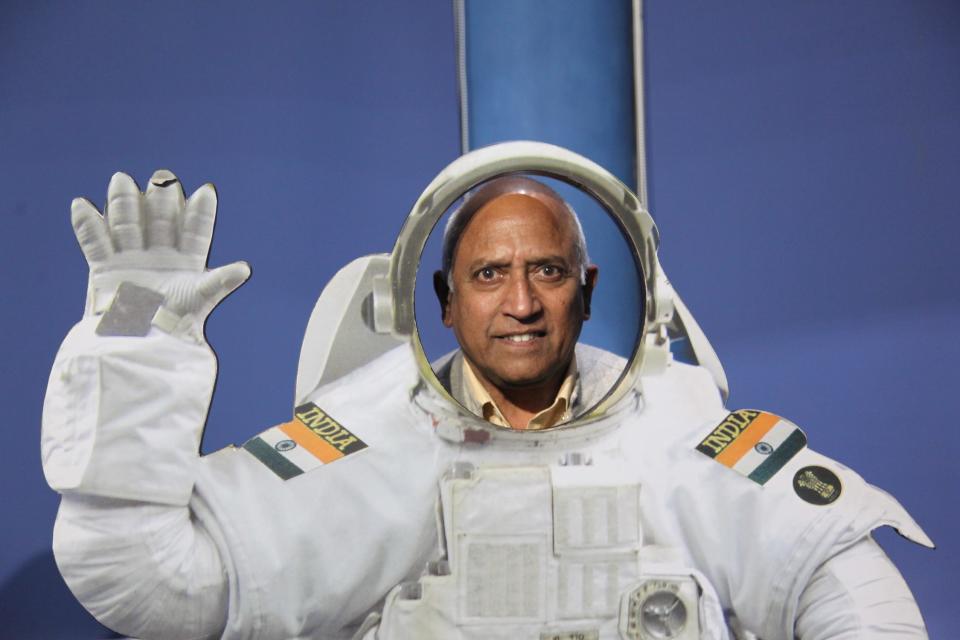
(858, 594)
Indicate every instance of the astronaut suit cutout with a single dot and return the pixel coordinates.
(383, 509)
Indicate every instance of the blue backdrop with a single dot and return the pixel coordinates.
(803, 170)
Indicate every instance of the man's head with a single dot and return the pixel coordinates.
(516, 283)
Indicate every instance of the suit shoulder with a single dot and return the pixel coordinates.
(772, 453)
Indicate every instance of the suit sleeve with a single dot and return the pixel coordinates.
(858, 594)
(122, 422)
(774, 532)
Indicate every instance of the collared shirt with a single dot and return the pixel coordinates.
(559, 411)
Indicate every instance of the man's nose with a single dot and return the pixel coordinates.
(521, 300)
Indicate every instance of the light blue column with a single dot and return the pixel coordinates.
(561, 71)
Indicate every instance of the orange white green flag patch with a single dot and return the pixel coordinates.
(310, 440)
(753, 443)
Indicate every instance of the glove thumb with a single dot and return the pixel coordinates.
(217, 284)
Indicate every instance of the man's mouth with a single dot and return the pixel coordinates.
(520, 338)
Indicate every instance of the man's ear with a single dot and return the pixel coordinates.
(442, 290)
(591, 274)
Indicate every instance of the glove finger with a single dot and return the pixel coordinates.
(217, 284)
(91, 231)
(163, 202)
(198, 222)
(123, 213)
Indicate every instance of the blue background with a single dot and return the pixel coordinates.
(803, 171)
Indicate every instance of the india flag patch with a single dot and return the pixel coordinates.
(753, 443)
(308, 441)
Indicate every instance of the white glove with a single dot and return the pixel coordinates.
(156, 245)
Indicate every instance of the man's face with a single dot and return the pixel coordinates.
(517, 304)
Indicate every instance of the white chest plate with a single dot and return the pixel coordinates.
(546, 552)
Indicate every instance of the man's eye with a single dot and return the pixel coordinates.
(551, 272)
(487, 274)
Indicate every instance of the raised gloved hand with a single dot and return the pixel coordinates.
(148, 254)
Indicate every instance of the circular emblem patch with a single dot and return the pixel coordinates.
(817, 485)
(285, 445)
(763, 448)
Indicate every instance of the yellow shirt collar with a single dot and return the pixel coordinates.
(557, 412)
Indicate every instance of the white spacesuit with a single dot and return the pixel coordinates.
(380, 509)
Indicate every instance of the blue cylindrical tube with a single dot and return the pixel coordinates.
(562, 71)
